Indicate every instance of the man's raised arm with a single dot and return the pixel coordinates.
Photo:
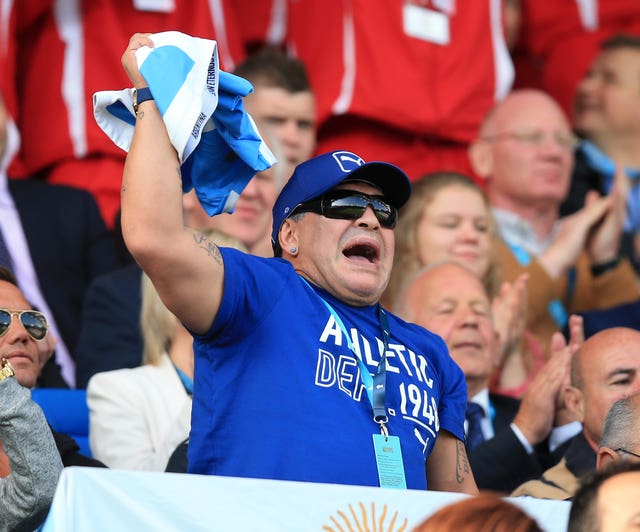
(186, 268)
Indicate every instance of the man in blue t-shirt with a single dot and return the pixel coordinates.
(299, 373)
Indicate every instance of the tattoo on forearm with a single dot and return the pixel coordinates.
(140, 115)
(462, 463)
(211, 249)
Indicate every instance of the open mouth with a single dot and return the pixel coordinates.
(362, 251)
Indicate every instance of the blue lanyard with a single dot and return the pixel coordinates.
(556, 308)
(375, 386)
(186, 381)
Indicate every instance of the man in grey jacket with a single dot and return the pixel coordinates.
(31, 453)
(30, 462)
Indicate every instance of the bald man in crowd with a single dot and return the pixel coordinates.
(605, 369)
(525, 152)
(509, 443)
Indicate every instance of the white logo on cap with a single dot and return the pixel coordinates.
(347, 161)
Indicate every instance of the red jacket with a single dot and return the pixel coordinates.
(562, 37)
(361, 62)
(62, 51)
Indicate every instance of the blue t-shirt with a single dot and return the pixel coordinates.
(277, 391)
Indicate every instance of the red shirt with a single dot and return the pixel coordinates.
(63, 51)
(361, 61)
(562, 37)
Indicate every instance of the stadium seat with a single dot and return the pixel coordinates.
(67, 412)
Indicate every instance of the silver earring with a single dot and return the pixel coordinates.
(293, 250)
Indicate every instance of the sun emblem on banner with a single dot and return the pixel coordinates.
(363, 519)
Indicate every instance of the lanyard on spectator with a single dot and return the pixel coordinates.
(376, 385)
(555, 308)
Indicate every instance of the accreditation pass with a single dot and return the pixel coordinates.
(389, 461)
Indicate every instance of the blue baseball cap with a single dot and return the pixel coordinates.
(322, 173)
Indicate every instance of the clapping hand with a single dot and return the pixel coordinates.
(542, 405)
(509, 315)
(603, 242)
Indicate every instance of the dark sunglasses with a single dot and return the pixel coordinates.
(350, 205)
(34, 322)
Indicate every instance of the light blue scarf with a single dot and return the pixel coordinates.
(217, 142)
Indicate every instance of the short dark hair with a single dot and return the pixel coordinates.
(619, 41)
(272, 67)
(583, 516)
(7, 275)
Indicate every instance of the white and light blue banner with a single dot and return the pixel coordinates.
(107, 500)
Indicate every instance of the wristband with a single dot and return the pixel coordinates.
(139, 96)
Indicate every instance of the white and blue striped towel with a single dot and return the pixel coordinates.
(217, 142)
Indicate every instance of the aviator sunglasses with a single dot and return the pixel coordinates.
(34, 322)
(350, 205)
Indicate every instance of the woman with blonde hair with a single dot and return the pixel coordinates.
(448, 218)
(445, 211)
(137, 417)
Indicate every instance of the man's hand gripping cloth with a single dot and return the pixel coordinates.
(217, 142)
